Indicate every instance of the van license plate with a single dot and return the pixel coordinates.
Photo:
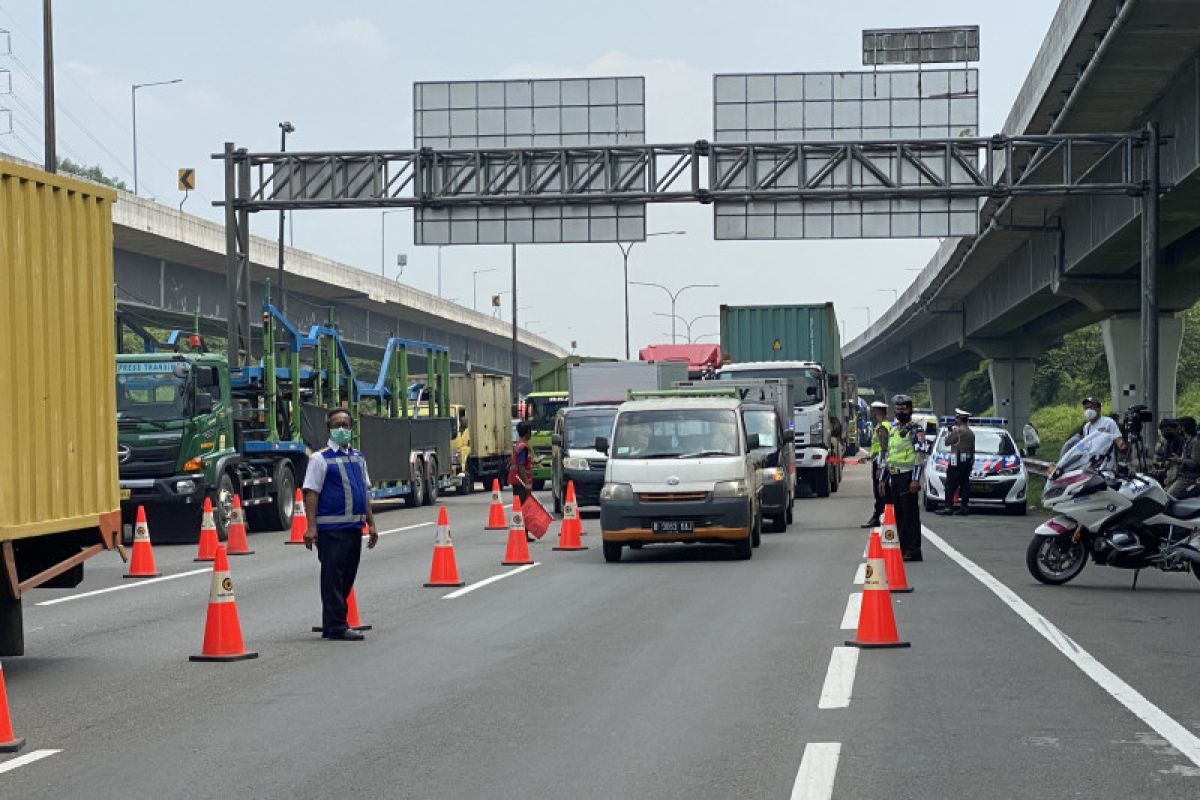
(126, 494)
(672, 526)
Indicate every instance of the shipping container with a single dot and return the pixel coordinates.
(59, 502)
(486, 402)
(550, 374)
(611, 382)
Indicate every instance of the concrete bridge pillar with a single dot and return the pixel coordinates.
(943, 393)
(1012, 389)
(1123, 346)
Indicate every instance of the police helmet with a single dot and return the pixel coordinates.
(902, 400)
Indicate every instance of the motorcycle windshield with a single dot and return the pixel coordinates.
(1094, 450)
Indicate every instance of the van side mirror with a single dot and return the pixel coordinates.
(602, 444)
(204, 403)
(789, 435)
(556, 440)
(752, 441)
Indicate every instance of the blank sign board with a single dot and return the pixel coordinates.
(574, 112)
(847, 107)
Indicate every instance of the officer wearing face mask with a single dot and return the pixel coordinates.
(906, 453)
(1095, 421)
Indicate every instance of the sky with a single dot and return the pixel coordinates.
(342, 73)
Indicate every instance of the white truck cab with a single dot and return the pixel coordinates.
(681, 468)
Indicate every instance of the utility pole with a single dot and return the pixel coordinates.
(48, 83)
(285, 128)
(1150, 236)
(515, 391)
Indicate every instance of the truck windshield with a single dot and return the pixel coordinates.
(808, 385)
(583, 429)
(676, 433)
(152, 391)
(542, 411)
(762, 422)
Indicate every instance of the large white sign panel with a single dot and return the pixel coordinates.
(846, 107)
(575, 112)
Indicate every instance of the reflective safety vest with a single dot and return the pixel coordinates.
(342, 502)
(875, 446)
(902, 456)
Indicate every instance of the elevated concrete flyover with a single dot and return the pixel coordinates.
(169, 265)
(1044, 266)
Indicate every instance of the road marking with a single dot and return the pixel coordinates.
(406, 528)
(472, 587)
(860, 575)
(1178, 736)
(28, 758)
(839, 680)
(818, 768)
(853, 607)
(133, 585)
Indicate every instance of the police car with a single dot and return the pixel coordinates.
(998, 476)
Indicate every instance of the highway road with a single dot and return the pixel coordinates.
(677, 673)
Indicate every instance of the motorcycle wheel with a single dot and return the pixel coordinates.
(1049, 563)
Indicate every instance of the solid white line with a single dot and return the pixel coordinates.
(406, 528)
(860, 575)
(839, 680)
(28, 758)
(131, 585)
(853, 607)
(472, 587)
(1178, 736)
(818, 768)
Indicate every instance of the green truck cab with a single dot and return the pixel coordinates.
(540, 410)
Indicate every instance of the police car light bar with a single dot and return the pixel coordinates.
(994, 422)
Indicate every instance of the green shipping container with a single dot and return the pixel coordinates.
(550, 375)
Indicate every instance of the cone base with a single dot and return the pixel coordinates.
(239, 657)
(240, 553)
(440, 584)
(515, 563)
(205, 560)
(580, 547)
(319, 629)
(503, 527)
(13, 746)
(902, 590)
(289, 541)
(142, 575)
(877, 645)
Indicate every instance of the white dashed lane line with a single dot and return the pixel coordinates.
(853, 607)
(839, 679)
(818, 768)
(860, 575)
(28, 758)
(472, 587)
(124, 586)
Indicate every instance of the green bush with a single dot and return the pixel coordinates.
(1188, 403)
(1056, 424)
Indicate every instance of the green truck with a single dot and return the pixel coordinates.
(550, 386)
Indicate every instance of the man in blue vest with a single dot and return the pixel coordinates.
(337, 502)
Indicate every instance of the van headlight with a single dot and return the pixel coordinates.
(731, 489)
(575, 463)
(616, 491)
(772, 475)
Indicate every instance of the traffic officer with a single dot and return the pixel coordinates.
(337, 501)
(961, 441)
(906, 454)
(880, 430)
(520, 467)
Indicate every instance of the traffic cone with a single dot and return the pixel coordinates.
(444, 570)
(518, 547)
(208, 535)
(893, 561)
(496, 521)
(236, 543)
(9, 741)
(222, 631)
(352, 620)
(141, 562)
(568, 534)
(876, 623)
(889, 522)
(299, 520)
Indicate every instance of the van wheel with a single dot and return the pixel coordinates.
(416, 495)
(779, 524)
(612, 552)
(756, 531)
(744, 549)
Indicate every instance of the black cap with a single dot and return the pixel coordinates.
(902, 400)
(1090, 401)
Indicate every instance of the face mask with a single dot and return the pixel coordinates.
(1090, 415)
(903, 416)
(340, 436)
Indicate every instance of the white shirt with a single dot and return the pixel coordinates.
(1102, 423)
(314, 476)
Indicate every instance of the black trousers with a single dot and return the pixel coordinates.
(339, 552)
(958, 478)
(908, 512)
(880, 497)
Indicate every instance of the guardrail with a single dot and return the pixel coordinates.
(1038, 467)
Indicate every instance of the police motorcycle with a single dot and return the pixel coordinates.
(1119, 517)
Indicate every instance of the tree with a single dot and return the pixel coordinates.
(94, 174)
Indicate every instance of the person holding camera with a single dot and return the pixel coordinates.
(1186, 481)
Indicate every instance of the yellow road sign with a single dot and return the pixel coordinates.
(187, 179)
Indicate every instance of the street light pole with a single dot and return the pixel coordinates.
(675, 296)
(895, 294)
(285, 128)
(687, 324)
(625, 261)
(48, 83)
(866, 309)
(515, 391)
(133, 96)
(475, 286)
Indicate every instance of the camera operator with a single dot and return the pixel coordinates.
(1187, 472)
(1168, 452)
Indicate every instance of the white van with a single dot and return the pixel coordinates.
(680, 469)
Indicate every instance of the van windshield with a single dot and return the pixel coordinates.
(676, 433)
(583, 429)
(808, 385)
(762, 422)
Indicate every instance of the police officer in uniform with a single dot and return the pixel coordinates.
(880, 430)
(337, 502)
(906, 454)
(961, 441)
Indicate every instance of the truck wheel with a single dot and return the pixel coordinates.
(834, 479)
(12, 631)
(820, 483)
(416, 486)
(223, 504)
(558, 503)
(431, 482)
(538, 485)
(612, 552)
(285, 497)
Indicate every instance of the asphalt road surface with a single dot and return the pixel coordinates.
(677, 673)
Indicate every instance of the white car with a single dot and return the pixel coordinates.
(998, 476)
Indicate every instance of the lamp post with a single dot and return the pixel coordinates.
(475, 285)
(866, 309)
(687, 324)
(895, 294)
(285, 128)
(383, 238)
(675, 296)
(625, 248)
(133, 97)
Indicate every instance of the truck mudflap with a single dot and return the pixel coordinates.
(811, 457)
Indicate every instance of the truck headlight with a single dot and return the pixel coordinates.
(772, 475)
(731, 489)
(616, 491)
(816, 429)
(185, 487)
(576, 463)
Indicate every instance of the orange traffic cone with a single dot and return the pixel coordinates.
(568, 535)
(444, 570)
(889, 522)
(236, 543)
(208, 535)
(518, 547)
(222, 631)
(9, 741)
(352, 620)
(496, 521)
(141, 562)
(893, 561)
(876, 623)
(299, 520)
